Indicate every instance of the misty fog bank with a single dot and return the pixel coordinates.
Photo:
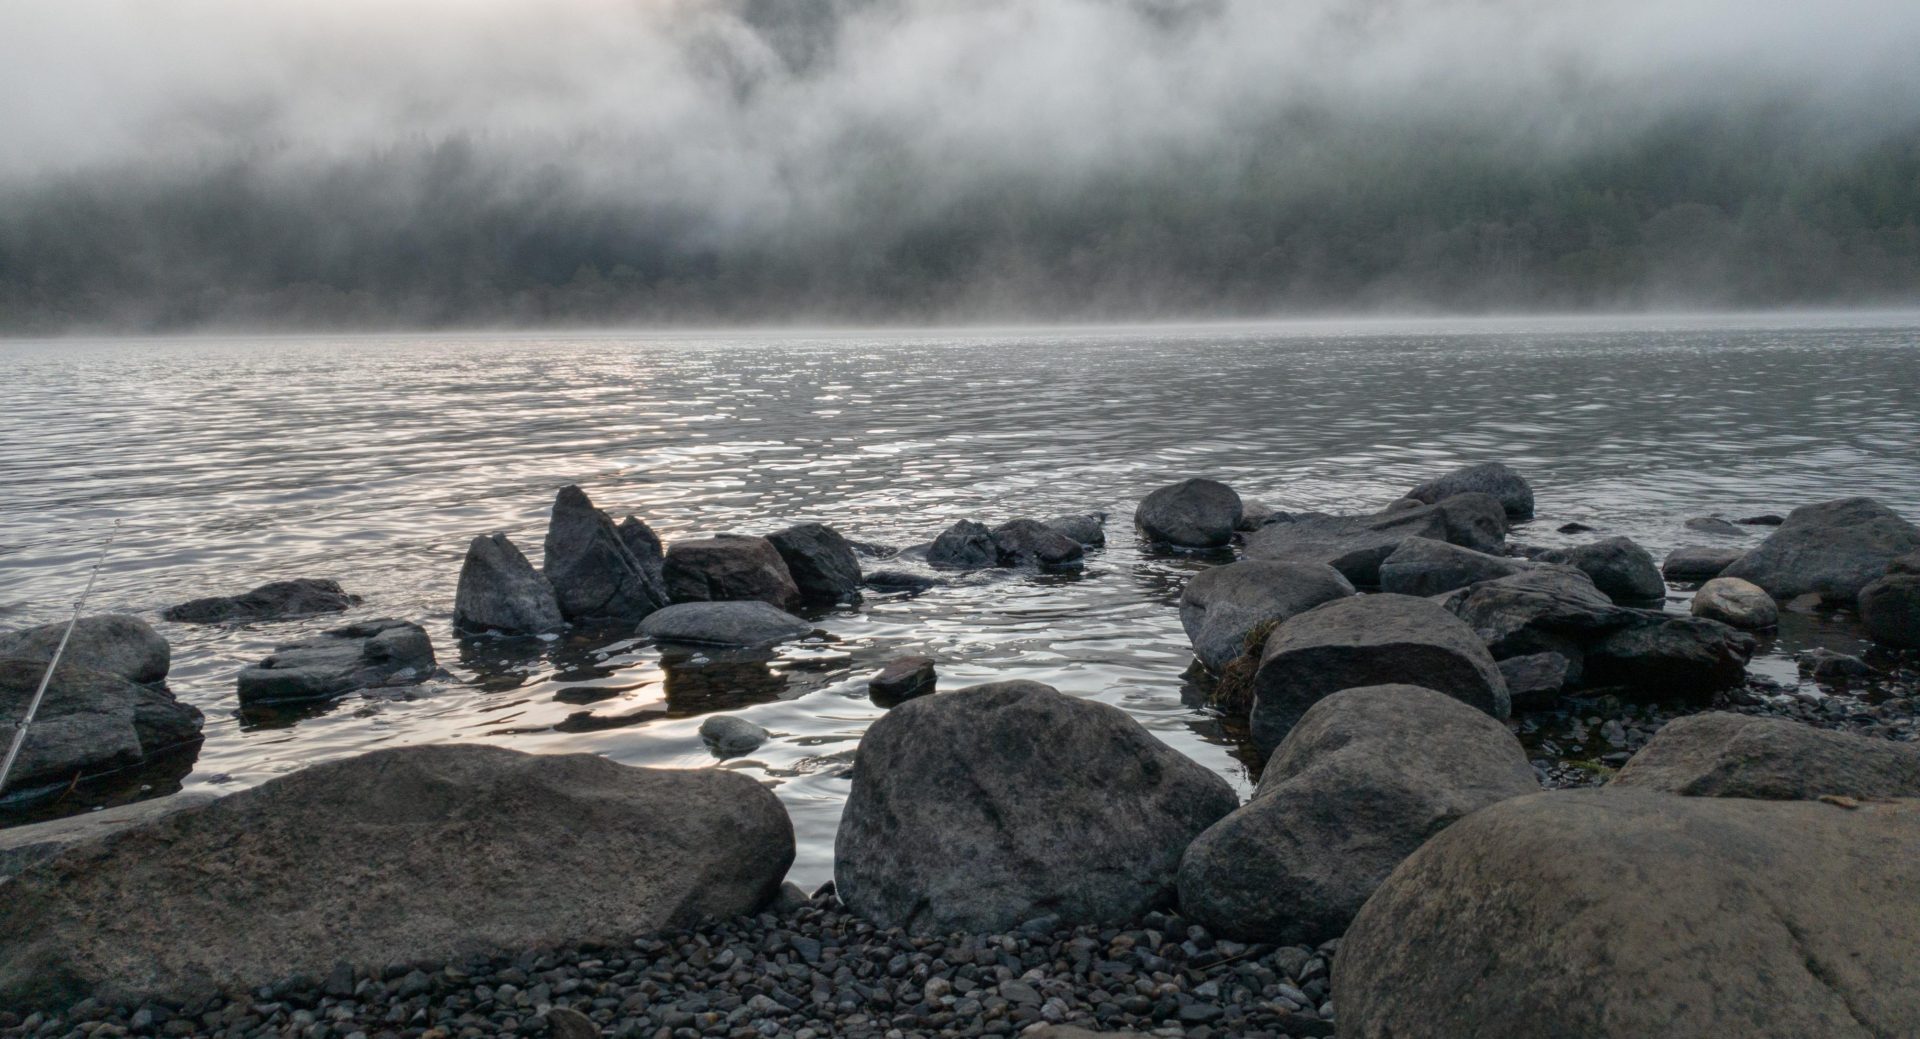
(702, 161)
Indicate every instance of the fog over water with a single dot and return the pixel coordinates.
(459, 163)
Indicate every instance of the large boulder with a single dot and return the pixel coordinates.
(23, 846)
(275, 600)
(1620, 568)
(1698, 563)
(1734, 755)
(1512, 491)
(90, 723)
(116, 643)
(728, 567)
(980, 809)
(1423, 566)
(734, 623)
(1364, 779)
(397, 856)
(1833, 550)
(1890, 610)
(1667, 656)
(1735, 603)
(500, 591)
(1190, 514)
(821, 562)
(1616, 913)
(595, 576)
(1222, 605)
(1358, 545)
(1025, 542)
(383, 652)
(1369, 640)
(964, 546)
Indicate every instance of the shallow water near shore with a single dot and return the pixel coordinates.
(373, 460)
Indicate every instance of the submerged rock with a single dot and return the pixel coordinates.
(424, 853)
(1360, 783)
(902, 679)
(730, 567)
(1222, 605)
(964, 546)
(733, 623)
(1890, 610)
(500, 591)
(1664, 655)
(822, 563)
(1696, 563)
(1087, 528)
(1833, 550)
(730, 737)
(1734, 755)
(90, 723)
(1025, 542)
(594, 575)
(981, 809)
(1625, 913)
(1423, 566)
(300, 597)
(1510, 488)
(381, 652)
(1736, 603)
(114, 643)
(888, 582)
(1369, 640)
(1193, 513)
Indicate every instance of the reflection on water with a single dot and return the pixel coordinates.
(374, 460)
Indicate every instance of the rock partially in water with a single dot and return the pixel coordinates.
(1715, 525)
(902, 679)
(1764, 520)
(822, 563)
(1254, 515)
(1626, 913)
(1667, 656)
(276, 600)
(1736, 603)
(1734, 755)
(1370, 640)
(1830, 666)
(1194, 513)
(1620, 568)
(730, 567)
(397, 856)
(984, 808)
(115, 643)
(889, 582)
(1358, 545)
(1222, 605)
(731, 737)
(1423, 566)
(90, 723)
(964, 546)
(1890, 610)
(733, 623)
(1535, 681)
(1697, 563)
(1360, 783)
(1025, 542)
(1573, 528)
(1832, 549)
(595, 576)
(500, 591)
(383, 652)
(1087, 528)
(1510, 488)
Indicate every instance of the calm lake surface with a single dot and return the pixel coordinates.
(373, 460)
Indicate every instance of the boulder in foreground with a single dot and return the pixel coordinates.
(1832, 549)
(500, 591)
(115, 643)
(275, 600)
(1733, 755)
(417, 853)
(90, 723)
(1494, 478)
(1222, 605)
(983, 808)
(1610, 914)
(1190, 514)
(382, 652)
(738, 623)
(1364, 779)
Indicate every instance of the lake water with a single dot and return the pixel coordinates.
(373, 460)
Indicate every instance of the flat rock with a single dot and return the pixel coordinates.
(116, 643)
(383, 652)
(1535, 681)
(735, 623)
(730, 567)
(964, 546)
(980, 809)
(1663, 655)
(1087, 528)
(902, 679)
(1617, 913)
(1832, 549)
(90, 723)
(1890, 610)
(594, 574)
(1193, 513)
(888, 582)
(1698, 563)
(22, 846)
(1547, 609)
(1370, 640)
(1510, 488)
(1735, 755)
(429, 853)
(276, 600)
(1423, 566)
(821, 562)
(500, 591)
(1736, 603)
(1026, 542)
(1221, 606)
(1365, 778)
(1358, 545)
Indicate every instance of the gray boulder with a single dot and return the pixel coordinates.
(902, 679)
(1548, 609)
(90, 723)
(964, 546)
(1890, 610)
(115, 643)
(383, 652)
(1512, 491)
(1621, 569)
(1025, 542)
(821, 562)
(1833, 550)
(733, 623)
(1190, 514)
(595, 576)
(1369, 640)
(1087, 528)
(980, 809)
(1361, 782)
(1735, 603)
(1535, 681)
(276, 600)
(1667, 656)
(397, 856)
(731, 737)
(1697, 563)
(1358, 545)
(1423, 566)
(1734, 755)
(1616, 913)
(23, 846)
(728, 567)
(500, 591)
(1222, 605)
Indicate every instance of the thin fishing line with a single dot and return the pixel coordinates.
(33, 706)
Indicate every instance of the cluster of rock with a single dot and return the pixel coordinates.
(1057, 542)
